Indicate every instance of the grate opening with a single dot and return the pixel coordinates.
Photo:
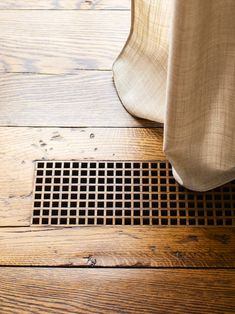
(124, 193)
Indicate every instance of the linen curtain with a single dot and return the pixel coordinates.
(178, 67)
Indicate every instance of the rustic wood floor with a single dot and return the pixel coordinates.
(57, 101)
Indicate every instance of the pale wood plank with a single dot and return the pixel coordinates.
(61, 41)
(20, 147)
(118, 246)
(50, 290)
(86, 99)
(65, 4)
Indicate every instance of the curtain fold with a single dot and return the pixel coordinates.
(178, 67)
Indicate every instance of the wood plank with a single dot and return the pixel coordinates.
(50, 290)
(86, 99)
(61, 41)
(118, 246)
(20, 147)
(65, 5)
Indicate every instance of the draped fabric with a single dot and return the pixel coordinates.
(178, 67)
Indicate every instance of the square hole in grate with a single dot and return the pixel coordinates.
(124, 193)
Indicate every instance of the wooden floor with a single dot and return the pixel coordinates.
(58, 102)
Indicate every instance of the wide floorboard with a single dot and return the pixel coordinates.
(84, 99)
(61, 290)
(55, 41)
(65, 5)
(118, 246)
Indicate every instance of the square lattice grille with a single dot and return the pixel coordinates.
(124, 193)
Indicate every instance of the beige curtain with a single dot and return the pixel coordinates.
(178, 67)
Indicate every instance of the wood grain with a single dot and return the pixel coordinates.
(61, 41)
(48, 290)
(86, 99)
(20, 147)
(65, 4)
(118, 246)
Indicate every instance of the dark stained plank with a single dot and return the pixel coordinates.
(20, 147)
(65, 4)
(118, 246)
(59, 42)
(55, 290)
(86, 99)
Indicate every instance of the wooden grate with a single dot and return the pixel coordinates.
(124, 193)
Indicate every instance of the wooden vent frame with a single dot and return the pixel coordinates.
(124, 193)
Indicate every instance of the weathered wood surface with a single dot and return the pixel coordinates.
(50, 290)
(87, 99)
(65, 4)
(51, 40)
(20, 147)
(118, 246)
(61, 41)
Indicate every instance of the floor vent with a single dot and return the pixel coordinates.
(124, 193)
